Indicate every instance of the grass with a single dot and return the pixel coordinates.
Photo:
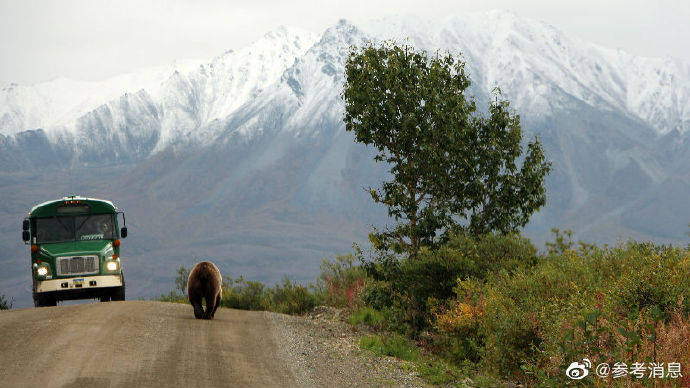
(173, 297)
(395, 346)
(437, 372)
(367, 316)
(432, 370)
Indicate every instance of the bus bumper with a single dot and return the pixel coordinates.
(77, 284)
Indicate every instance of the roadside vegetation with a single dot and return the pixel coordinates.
(338, 286)
(493, 309)
(452, 287)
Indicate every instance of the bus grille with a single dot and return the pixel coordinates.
(77, 265)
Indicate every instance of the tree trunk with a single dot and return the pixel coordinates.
(414, 239)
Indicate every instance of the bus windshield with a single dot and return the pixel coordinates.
(75, 228)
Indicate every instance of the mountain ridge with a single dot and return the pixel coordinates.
(664, 85)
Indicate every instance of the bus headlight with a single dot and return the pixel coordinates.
(111, 266)
(42, 271)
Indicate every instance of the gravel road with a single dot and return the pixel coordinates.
(155, 344)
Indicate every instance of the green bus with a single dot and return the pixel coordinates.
(75, 250)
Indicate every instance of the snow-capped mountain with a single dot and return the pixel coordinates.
(181, 98)
(529, 60)
(58, 103)
(245, 158)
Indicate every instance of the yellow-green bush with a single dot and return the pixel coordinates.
(244, 294)
(291, 298)
(416, 285)
(607, 305)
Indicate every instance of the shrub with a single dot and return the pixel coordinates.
(377, 294)
(244, 294)
(341, 281)
(5, 304)
(291, 298)
(671, 341)
(493, 252)
(286, 297)
(612, 304)
(177, 294)
(417, 285)
(339, 285)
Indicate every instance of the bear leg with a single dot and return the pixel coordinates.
(198, 311)
(210, 307)
(198, 308)
(215, 307)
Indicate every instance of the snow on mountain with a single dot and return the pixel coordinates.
(192, 101)
(182, 97)
(58, 103)
(539, 69)
(530, 60)
(657, 90)
(316, 78)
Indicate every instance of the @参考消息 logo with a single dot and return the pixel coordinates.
(577, 371)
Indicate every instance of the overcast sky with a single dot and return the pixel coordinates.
(95, 39)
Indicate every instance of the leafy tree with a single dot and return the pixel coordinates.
(451, 169)
(181, 279)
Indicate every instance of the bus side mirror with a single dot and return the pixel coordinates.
(123, 232)
(26, 235)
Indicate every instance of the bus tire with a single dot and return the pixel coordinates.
(118, 294)
(44, 300)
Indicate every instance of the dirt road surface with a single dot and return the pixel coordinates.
(156, 344)
(137, 344)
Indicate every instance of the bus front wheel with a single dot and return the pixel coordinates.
(44, 300)
(118, 294)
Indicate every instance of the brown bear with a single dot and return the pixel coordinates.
(204, 283)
